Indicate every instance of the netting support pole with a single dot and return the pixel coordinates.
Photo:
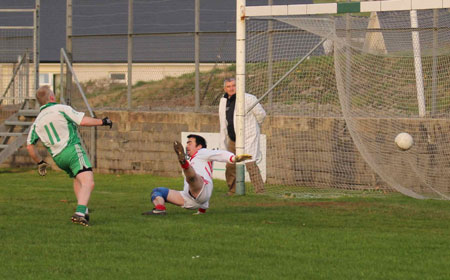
(130, 53)
(418, 64)
(434, 66)
(287, 74)
(240, 93)
(270, 59)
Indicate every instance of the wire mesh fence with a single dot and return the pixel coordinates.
(17, 67)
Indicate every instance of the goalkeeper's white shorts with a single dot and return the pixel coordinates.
(202, 200)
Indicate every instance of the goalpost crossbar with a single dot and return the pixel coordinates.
(343, 8)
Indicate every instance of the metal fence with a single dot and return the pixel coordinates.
(145, 55)
(18, 54)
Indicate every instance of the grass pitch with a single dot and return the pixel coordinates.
(242, 237)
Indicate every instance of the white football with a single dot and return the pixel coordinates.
(404, 141)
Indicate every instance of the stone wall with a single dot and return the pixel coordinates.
(305, 151)
(141, 142)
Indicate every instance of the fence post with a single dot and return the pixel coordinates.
(130, 52)
(197, 55)
(69, 50)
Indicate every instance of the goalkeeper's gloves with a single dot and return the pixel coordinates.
(242, 157)
(107, 122)
(42, 168)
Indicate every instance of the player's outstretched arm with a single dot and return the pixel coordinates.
(221, 156)
(239, 158)
(88, 121)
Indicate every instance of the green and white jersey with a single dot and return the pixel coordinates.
(56, 126)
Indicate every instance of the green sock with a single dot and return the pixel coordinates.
(81, 209)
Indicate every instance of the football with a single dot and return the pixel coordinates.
(404, 141)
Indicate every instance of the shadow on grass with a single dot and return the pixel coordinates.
(15, 170)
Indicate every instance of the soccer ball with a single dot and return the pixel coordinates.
(404, 141)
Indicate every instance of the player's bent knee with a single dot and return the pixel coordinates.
(162, 192)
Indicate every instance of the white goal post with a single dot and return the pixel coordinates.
(422, 77)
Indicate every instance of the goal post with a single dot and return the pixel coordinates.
(341, 89)
(240, 93)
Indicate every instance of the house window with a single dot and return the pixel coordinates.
(44, 79)
(118, 78)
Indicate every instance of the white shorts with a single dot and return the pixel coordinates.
(202, 200)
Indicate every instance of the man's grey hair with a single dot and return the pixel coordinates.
(227, 80)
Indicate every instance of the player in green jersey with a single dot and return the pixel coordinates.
(56, 127)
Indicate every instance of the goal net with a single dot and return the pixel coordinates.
(343, 87)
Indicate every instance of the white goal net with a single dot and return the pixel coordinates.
(360, 81)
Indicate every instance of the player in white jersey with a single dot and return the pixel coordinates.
(198, 182)
(56, 127)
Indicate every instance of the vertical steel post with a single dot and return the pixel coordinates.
(61, 77)
(27, 77)
(12, 91)
(197, 55)
(36, 42)
(69, 50)
(130, 52)
(36, 46)
(20, 80)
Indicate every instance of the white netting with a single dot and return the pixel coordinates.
(346, 104)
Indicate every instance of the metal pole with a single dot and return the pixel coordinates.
(240, 94)
(92, 148)
(20, 81)
(13, 84)
(197, 55)
(286, 74)
(418, 64)
(348, 54)
(270, 59)
(27, 77)
(69, 51)
(61, 77)
(434, 66)
(36, 46)
(77, 83)
(130, 52)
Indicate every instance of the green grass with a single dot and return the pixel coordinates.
(243, 237)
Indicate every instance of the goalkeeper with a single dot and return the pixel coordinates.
(56, 127)
(198, 183)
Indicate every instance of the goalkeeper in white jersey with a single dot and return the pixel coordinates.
(56, 127)
(198, 182)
